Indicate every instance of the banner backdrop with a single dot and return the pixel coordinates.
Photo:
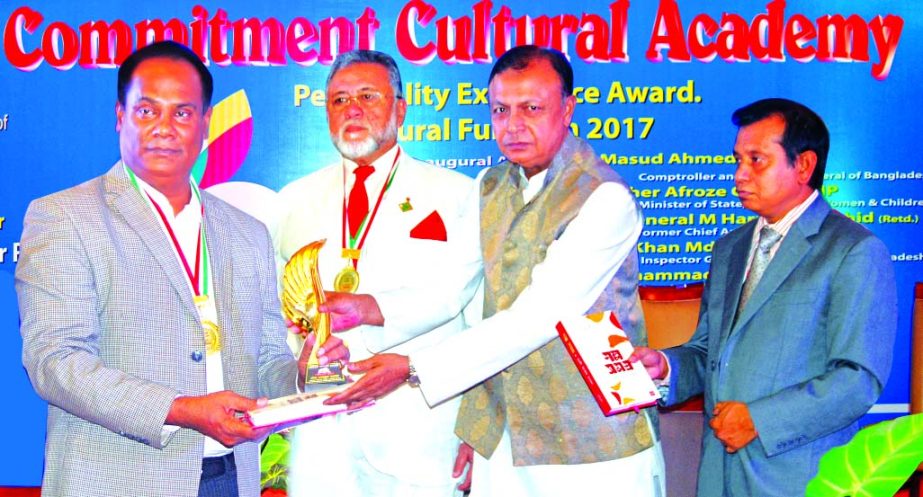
(656, 84)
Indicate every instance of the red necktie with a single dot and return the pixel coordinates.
(358, 207)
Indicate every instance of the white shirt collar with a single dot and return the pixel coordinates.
(161, 200)
(782, 226)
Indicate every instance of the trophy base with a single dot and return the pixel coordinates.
(329, 374)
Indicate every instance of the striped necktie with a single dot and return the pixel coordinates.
(768, 238)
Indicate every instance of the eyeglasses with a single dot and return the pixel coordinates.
(365, 99)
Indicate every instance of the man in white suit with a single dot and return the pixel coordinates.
(394, 221)
(150, 318)
(555, 229)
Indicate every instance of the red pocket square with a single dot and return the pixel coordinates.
(430, 228)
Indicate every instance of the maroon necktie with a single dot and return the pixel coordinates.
(358, 207)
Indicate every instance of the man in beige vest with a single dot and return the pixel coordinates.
(558, 230)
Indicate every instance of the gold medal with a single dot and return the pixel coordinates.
(212, 336)
(210, 329)
(347, 280)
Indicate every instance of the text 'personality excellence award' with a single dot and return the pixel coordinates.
(302, 293)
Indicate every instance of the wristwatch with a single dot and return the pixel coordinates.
(412, 378)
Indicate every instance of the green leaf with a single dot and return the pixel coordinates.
(275, 451)
(274, 478)
(876, 462)
(274, 460)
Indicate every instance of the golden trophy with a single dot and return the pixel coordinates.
(302, 293)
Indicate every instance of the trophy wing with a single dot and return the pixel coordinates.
(299, 299)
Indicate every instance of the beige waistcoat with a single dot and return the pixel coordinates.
(551, 415)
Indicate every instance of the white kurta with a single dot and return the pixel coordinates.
(401, 446)
(577, 267)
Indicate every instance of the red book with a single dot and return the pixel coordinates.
(600, 350)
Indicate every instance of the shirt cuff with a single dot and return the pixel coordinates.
(663, 385)
(166, 433)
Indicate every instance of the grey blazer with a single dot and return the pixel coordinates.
(111, 337)
(809, 354)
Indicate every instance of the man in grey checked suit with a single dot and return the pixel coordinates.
(116, 296)
(797, 322)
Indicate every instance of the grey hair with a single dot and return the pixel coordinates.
(347, 59)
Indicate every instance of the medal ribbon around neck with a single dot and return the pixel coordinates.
(199, 285)
(352, 250)
(210, 329)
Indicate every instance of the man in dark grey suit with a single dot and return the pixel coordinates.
(150, 318)
(797, 322)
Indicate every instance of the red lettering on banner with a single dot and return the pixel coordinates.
(150, 31)
(586, 46)
(453, 40)
(473, 38)
(218, 26)
(854, 29)
(301, 34)
(199, 31)
(344, 35)
(701, 28)
(618, 40)
(668, 33)
(887, 32)
(726, 43)
(503, 22)
(798, 31)
(420, 12)
(368, 25)
(828, 38)
(267, 42)
(21, 19)
(481, 32)
(465, 39)
(252, 41)
(60, 46)
(770, 23)
(112, 42)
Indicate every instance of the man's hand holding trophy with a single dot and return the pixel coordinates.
(302, 293)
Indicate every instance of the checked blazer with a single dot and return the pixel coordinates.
(111, 337)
